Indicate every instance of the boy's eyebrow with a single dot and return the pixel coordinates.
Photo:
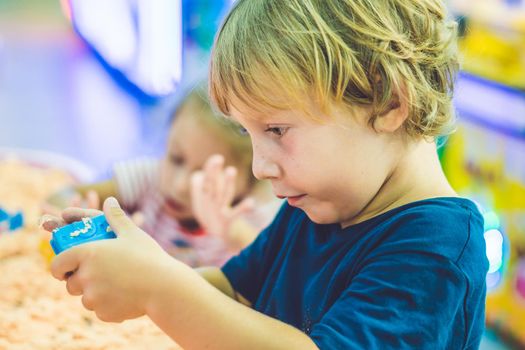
(176, 144)
(253, 115)
(244, 111)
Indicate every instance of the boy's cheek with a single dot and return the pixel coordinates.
(165, 174)
(165, 169)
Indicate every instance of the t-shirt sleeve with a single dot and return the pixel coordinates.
(133, 177)
(248, 269)
(388, 303)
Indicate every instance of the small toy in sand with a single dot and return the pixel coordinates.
(10, 222)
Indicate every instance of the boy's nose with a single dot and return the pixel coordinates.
(181, 183)
(264, 168)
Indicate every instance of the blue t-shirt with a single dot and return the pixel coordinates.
(410, 278)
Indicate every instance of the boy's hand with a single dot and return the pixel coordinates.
(212, 193)
(70, 198)
(115, 277)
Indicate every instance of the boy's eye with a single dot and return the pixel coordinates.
(277, 130)
(243, 131)
(177, 160)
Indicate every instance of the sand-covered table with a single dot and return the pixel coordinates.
(36, 312)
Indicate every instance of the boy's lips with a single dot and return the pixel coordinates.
(173, 205)
(293, 200)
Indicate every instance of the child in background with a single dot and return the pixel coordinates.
(190, 225)
(343, 101)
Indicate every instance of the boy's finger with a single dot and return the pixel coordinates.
(88, 301)
(197, 194)
(213, 163)
(65, 263)
(73, 285)
(92, 200)
(76, 200)
(214, 160)
(50, 222)
(197, 186)
(212, 174)
(121, 224)
(228, 192)
(138, 218)
(244, 206)
(76, 214)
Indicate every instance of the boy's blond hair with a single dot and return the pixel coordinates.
(274, 53)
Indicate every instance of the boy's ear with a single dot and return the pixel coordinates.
(394, 117)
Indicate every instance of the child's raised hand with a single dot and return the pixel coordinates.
(116, 276)
(212, 193)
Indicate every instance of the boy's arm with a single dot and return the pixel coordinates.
(187, 307)
(199, 316)
(241, 233)
(215, 277)
(66, 197)
(104, 189)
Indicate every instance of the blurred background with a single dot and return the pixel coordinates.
(85, 83)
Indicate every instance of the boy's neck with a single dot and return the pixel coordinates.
(417, 176)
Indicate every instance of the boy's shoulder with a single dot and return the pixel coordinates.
(448, 226)
(441, 213)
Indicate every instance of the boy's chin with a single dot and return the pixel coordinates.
(321, 218)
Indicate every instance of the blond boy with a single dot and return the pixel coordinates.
(343, 100)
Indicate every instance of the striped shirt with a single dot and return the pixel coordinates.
(137, 185)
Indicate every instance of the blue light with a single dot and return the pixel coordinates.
(141, 39)
(493, 280)
(492, 220)
(494, 243)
